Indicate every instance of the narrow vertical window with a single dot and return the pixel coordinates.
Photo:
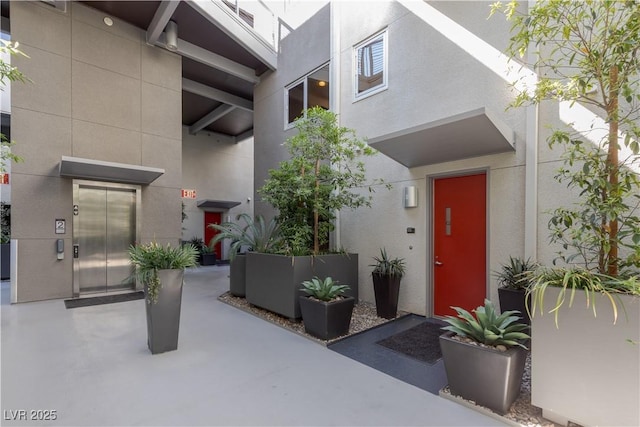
(310, 91)
(370, 60)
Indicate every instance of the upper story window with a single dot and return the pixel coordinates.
(370, 60)
(309, 91)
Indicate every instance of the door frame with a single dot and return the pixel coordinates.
(429, 273)
(77, 183)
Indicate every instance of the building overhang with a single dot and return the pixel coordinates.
(471, 134)
(216, 205)
(76, 167)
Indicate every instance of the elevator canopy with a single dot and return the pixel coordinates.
(76, 167)
(470, 134)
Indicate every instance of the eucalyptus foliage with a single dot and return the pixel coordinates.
(587, 52)
(149, 258)
(324, 290)
(386, 266)
(487, 327)
(9, 73)
(257, 235)
(319, 179)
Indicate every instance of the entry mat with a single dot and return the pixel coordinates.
(108, 299)
(367, 348)
(420, 342)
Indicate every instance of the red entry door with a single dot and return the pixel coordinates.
(212, 218)
(459, 232)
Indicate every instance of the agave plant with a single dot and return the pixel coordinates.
(324, 290)
(516, 274)
(258, 235)
(487, 327)
(388, 267)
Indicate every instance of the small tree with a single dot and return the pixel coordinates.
(318, 180)
(8, 73)
(587, 52)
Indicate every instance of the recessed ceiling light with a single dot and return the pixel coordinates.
(322, 83)
(108, 21)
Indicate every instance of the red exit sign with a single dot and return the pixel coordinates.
(188, 194)
(4, 178)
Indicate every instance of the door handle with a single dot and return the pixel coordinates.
(438, 263)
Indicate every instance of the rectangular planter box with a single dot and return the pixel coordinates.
(238, 276)
(585, 370)
(5, 260)
(273, 282)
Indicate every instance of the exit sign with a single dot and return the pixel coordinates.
(4, 178)
(188, 194)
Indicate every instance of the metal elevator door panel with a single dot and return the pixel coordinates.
(106, 228)
(121, 233)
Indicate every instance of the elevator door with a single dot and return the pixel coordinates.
(106, 228)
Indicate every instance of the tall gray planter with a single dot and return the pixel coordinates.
(238, 276)
(273, 282)
(585, 370)
(163, 317)
(489, 377)
(5, 260)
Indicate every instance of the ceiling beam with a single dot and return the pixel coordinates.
(217, 95)
(219, 14)
(163, 14)
(213, 60)
(244, 135)
(214, 115)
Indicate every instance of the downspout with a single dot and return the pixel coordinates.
(334, 88)
(531, 169)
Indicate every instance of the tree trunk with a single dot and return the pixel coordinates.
(612, 166)
(316, 216)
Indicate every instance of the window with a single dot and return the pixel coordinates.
(310, 91)
(370, 63)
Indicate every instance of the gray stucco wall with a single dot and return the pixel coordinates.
(302, 51)
(429, 78)
(218, 170)
(97, 92)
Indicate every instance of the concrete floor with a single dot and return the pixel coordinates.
(91, 366)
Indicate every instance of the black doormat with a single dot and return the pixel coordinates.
(109, 299)
(420, 342)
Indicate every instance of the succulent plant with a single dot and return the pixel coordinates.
(487, 327)
(324, 290)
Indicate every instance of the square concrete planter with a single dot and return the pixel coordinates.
(273, 281)
(489, 377)
(163, 317)
(326, 320)
(585, 370)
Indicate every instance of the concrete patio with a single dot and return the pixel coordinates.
(91, 365)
